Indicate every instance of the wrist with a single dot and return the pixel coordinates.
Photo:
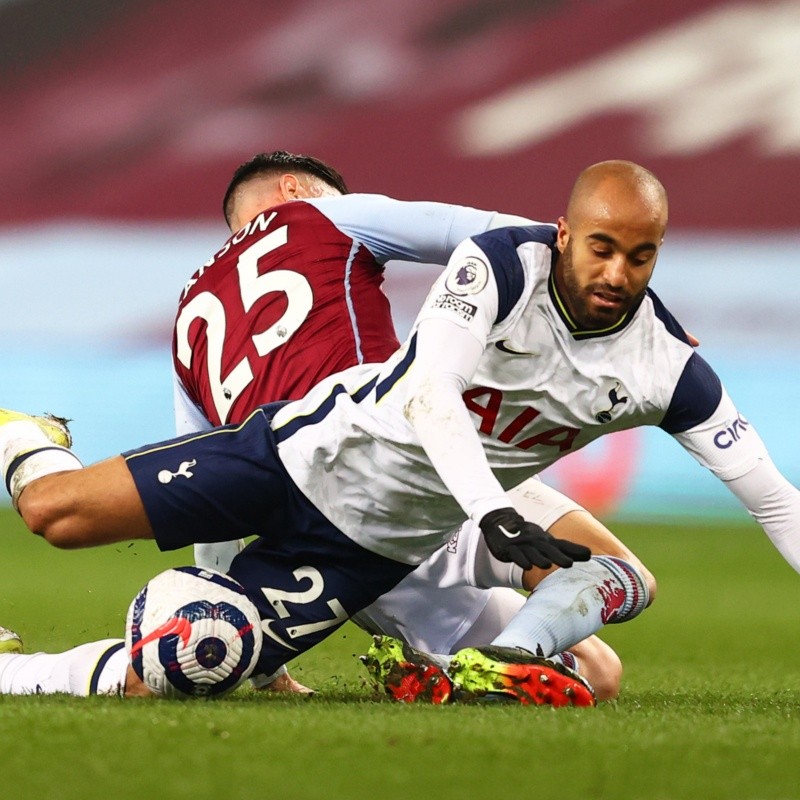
(484, 507)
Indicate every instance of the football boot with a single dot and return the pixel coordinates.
(9, 642)
(54, 428)
(509, 674)
(405, 674)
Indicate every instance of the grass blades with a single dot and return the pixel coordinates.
(710, 705)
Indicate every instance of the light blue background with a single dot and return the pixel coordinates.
(87, 311)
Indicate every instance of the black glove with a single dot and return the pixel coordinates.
(510, 538)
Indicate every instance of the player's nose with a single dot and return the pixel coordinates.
(615, 270)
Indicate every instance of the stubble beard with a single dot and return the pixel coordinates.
(578, 298)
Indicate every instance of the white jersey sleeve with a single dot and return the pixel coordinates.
(775, 504)
(727, 444)
(441, 420)
(452, 333)
(424, 232)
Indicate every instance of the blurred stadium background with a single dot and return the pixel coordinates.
(124, 120)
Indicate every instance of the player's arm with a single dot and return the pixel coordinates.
(728, 444)
(425, 232)
(448, 350)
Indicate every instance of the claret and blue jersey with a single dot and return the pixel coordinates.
(296, 295)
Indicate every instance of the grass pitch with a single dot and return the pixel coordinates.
(710, 705)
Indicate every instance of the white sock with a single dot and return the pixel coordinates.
(260, 681)
(571, 604)
(93, 668)
(567, 660)
(27, 454)
(217, 555)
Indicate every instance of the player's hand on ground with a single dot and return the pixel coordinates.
(510, 537)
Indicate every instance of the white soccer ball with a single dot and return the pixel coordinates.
(192, 632)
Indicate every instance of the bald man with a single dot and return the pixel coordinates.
(535, 341)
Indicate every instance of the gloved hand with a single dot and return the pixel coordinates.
(510, 537)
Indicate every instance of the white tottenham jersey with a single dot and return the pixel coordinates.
(540, 389)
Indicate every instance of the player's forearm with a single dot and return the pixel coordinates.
(775, 504)
(436, 410)
(729, 445)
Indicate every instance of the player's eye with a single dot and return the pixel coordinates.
(641, 260)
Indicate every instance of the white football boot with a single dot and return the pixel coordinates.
(9, 642)
(54, 428)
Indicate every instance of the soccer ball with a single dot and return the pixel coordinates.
(192, 632)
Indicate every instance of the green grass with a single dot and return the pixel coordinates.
(710, 705)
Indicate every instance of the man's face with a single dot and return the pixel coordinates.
(607, 255)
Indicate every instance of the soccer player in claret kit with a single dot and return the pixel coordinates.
(307, 272)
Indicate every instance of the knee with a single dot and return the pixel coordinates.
(647, 577)
(623, 588)
(46, 514)
(650, 582)
(644, 575)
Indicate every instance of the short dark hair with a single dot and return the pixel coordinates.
(281, 161)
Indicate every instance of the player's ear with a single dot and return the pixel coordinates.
(562, 237)
(289, 187)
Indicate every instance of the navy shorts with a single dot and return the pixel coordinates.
(220, 485)
(307, 586)
(303, 574)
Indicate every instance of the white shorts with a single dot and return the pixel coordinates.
(462, 595)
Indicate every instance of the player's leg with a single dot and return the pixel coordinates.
(563, 518)
(307, 586)
(409, 673)
(568, 605)
(98, 504)
(433, 612)
(217, 486)
(599, 664)
(438, 609)
(592, 659)
(93, 668)
(280, 682)
(582, 527)
(217, 555)
(57, 498)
